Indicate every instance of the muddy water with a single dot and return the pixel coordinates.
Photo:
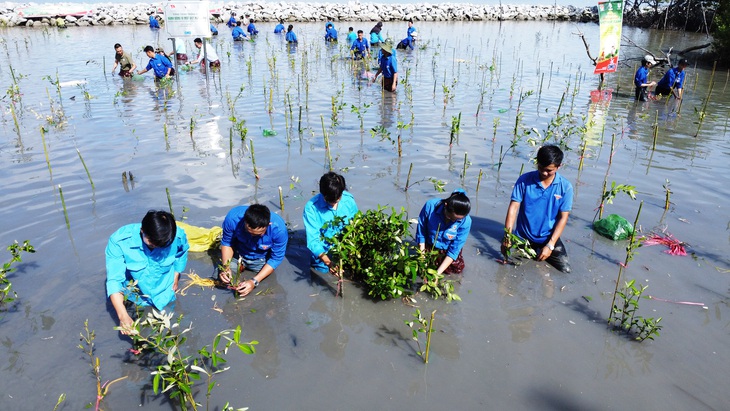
(522, 338)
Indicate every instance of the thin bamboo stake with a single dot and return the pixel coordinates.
(428, 337)
(85, 168)
(63, 203)
(169, 201)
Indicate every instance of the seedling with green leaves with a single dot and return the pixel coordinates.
(624, 314)
(7, 294)
(610, 194)
(422, 326)
(88, 337)
(159, 335)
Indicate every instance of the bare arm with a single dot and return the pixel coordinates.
(125, 321)
(509, 224)
(557, 232)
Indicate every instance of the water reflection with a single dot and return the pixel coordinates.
(524, 296)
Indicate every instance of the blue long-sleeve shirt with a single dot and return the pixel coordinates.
(154, 24)
(279, 28)
(252, 29)
(291, 37)
(238, 33)
(641, 77)
(128, 258)
(673, 79)
(316, 213)
(376, 38)
(231, 22)
(270, 246)
(330, 34)
(433, 229)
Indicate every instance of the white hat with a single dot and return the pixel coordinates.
(648, 58)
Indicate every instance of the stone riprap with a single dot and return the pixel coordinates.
(75, 14)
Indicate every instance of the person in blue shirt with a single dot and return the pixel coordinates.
(161, 65)
(251, 28)
(375, 36)
(153, 254)
(331, 202)
(154, 24)
(360, 47)
(238, 33)
(290, 36)
(410, 39)
(279, 27)
(388, 65)
(539, 208)
(351, 36)
(213, 30)
(672, 81)
(444, 225)
(258, 238)
(330, 33)
(232, 20)
(641, 79)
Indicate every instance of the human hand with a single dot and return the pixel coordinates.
(176, 282)
(505, 247)
(225, 276)
(544, 254)
(244, 288)
(126, 323)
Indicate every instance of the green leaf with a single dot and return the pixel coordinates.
(156, 383)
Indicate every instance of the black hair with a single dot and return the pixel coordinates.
(359, 31)
(149, 48)
(549, 154)
(281, 21)
(197, 40)
(457, 203)
(250, 20)
(257, 216)
(117, 45)
(238, 23)
(290, 28)
(159, 228)
(351, 29)
(331, 185)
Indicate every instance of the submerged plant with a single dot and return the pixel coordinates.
(6, 287)
(159, 335)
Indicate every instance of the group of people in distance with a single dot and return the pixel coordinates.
(154, 252)
(671, 83)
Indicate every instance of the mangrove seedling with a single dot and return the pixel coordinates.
(624, 314)
(519, 245)
(667, 194)
(422, 326)
(455, 129)
(253, 161)
(164, 339)
(6, 287)
(610, 194)
(88, 337)
(634, 243)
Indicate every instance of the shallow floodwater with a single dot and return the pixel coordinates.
(524, 337)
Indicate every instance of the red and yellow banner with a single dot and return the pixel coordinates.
(610, 17)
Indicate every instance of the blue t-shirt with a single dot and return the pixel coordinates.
(316, 213)
(351, 37)
(360, 46)
(410, 32)
(388, 65)
(128, 258)
(291, 37)
(434, 230)
(279, 28)
(641, 77)
(673, 78)
(376, 38)
(213, 30)
(540, 207)
(330, 34)
(238, 33)
(270, 246)
(159, 64)
(231, 22)
(154, 24)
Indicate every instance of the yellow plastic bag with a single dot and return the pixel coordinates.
(200, 238)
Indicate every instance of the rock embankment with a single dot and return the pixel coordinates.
(74, 14)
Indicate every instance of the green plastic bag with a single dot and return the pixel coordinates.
(614, 227)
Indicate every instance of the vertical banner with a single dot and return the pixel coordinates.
(610, 17)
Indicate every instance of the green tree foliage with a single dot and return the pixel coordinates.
(721, 33)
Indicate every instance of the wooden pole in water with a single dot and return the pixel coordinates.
(408, 180)
(63, 203)
(169, 201)
(85, 168)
